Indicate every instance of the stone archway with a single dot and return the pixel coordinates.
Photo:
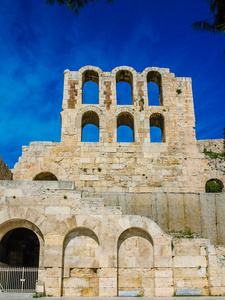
(20, 247)
(80, 263)
(135, 263)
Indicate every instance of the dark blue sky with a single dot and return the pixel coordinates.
(38, 42)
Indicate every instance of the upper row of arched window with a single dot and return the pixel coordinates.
(124, 87)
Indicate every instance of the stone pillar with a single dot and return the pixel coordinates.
(53, 264)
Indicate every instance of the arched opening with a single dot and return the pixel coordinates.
(135, 263)
(157, 129)
(125, 128)
(45, 176)
(81, 262)
(214, 186)
(124, 87)
(90, 127)
(154, 80)
(20, 247)
(90, 87)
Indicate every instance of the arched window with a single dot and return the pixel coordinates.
(125, 127)
(157, 130)
(20, 248)
(124, 87)
(90, 127)
(154, 80)
(135, 256)
(214, 186)
(45, 176)
(90, 87)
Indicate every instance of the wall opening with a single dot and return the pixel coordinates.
(90, 87)
(154, 80)
(214, 186)
(45, 176)
(124, 87)
(20, 248)
(81, 263)
(157, 129)
(90, 127)
(135, 263)
(125, 128)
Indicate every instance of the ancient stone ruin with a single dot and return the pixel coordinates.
(110, 218)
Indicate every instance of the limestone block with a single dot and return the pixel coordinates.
(165, 282)
(214, 291)
(187, 247)
(149, 292)
(76, 282)
(90, 292)
(215, 281)
(189, 261)
(107, 272)
(163, 272)
(72, 292)
(163, 261)
(108, 292)
(189, 272)
(55, 210)
(164, 292)
(212, 261)
(107, 282)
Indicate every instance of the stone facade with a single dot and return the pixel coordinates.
(174, 165)
(96, 216)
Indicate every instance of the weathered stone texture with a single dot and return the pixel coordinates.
(211, 145)
(101, 227)
(5, 173)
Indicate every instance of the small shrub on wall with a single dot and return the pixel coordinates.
(213, 187)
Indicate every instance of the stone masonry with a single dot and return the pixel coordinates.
(96, 217)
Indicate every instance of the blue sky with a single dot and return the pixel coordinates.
(38, 42)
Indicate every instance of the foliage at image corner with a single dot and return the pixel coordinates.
(73, 5)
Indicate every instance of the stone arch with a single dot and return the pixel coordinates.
(90, 68)
(156, 78)
(125, 119)
(89, 117)
(160, 242)
(148, 225)
(67, 225)
(47, 176)
(93, 77)
(216, 186)
(21, 227)
(80, 263)
(84, 111)
(135, 262)
(128, 75)
(157, 120)
(48, 167)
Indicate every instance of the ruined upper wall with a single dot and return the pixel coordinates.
(174, 115)
(211, 145)
(5, 173)
(172, 165)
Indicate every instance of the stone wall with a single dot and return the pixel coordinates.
(201, 213)
(173, 165)
(5, 173)
(211, 145)
(89, 248)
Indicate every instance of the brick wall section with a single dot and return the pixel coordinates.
(5, 173)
